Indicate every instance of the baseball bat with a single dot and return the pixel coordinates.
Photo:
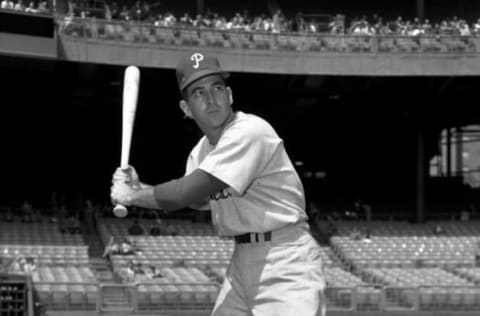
(131, 83)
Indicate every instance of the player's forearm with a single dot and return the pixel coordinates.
(189, 190)
(144, 197)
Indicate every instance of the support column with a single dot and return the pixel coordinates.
(449, 152)
(420, 179)
(458, 151)
(200, 6)
(420, 9)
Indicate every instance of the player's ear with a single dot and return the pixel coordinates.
(230, 95)
(185, 108)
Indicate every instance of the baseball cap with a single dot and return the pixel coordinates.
(196, 66)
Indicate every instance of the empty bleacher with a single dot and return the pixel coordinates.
(41, 233)
(400, 266)
(62, 278)
(417, 266)
(396, 244)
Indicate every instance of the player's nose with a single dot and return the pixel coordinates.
(209, 98)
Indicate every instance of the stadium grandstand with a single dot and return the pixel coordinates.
(376, 103)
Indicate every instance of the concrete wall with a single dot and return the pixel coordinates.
(274, 61)
(27, 45)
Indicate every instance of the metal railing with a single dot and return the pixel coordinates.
(198, 296)
(148, 34)
(68, 296)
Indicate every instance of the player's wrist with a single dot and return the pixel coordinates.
(143, 197)
(144, 186)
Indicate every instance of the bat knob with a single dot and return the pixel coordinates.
(120, 210)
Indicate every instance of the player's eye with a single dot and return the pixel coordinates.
(197, 93)
(219, 87)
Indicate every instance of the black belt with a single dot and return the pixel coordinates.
(253, 237)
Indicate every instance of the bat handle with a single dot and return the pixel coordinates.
(121, 210)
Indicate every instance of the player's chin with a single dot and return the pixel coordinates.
(218, 118)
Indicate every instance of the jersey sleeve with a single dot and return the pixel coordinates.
(192, 164)
(241, 154)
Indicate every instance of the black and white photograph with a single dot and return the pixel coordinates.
(250, 158)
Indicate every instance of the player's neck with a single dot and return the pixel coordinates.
(213, 135)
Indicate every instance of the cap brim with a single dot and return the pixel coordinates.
(204, 73)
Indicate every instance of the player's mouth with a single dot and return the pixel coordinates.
(213, 111)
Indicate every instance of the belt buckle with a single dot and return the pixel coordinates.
(260, 238)
(254, 238)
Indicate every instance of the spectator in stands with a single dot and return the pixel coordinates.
(277, 22)
(160, 228)
(120, 247)
(136, 229)
(137, 11)
(136, 272)
(331, 226)
(476, 27)
(186, 20)
(42, 7)
(335, 215)
(62, 215)
(463, 28)
(89, 217)
(366, 237)
(438, 230)
(28, 215)
(125, 247)
(367, 211)
(29, 266)
(109, 248)
(362, 209)
(8, 215)
(298, 24)
(19, 6)
(241, 171)
(358, 206)
(427, 27)
(152, 272)
(312, 27)
(73, 225)
(130, 272)
(355, 235)
(16, 265)
(351, 215)
(155, 230)
(7, 5)
(362, 28)
(125, 13)
(322, 229)
(169, 19)
(464, 215)
(114, 12)
(337, 25)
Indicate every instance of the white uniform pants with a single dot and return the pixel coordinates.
(282, 277)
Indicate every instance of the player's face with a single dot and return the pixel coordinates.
(209, 102)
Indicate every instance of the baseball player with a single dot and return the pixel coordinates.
(242, 173)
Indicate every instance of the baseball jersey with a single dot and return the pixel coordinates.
(264, 190)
